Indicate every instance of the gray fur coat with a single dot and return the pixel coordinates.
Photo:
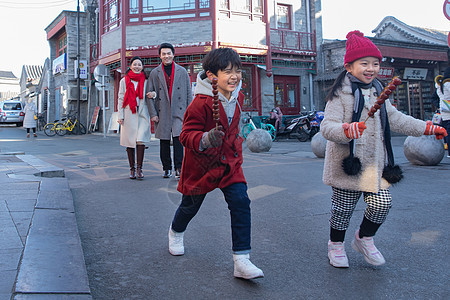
(369, 148)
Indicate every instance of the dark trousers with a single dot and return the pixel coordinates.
(238, 204)
(446, 125)
(164, 152)
(34, 130)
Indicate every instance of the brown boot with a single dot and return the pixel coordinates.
(140, 159)
(130, 152)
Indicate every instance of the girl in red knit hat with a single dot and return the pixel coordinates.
(359, 159)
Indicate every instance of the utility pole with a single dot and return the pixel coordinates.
(78, 67)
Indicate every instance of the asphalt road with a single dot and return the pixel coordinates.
(123, 227)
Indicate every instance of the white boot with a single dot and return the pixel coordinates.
(176, 245)
(244, 268)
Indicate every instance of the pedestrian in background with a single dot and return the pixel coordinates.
(443, 91)
(213, 157)
(173, 86)
(355, 157)
(29, 121)
(133, 117)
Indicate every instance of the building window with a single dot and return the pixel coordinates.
(154, 10)
(242, 8)
(134, 7)
(61, 45)
(152, 6)
(283, 16)
(111, 10)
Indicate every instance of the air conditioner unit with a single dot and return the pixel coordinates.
(73, 92)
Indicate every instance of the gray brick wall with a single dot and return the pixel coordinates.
(111, 41)
(176, 33)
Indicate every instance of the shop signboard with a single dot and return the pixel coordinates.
(59, 64)
(415, 73)
(385, 73)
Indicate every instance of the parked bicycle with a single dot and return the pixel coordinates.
(40, 121)
(50, 128)
(70, 125)
(250, 126)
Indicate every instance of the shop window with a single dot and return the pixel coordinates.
(61, 45)
(283, 16)
(247, 87)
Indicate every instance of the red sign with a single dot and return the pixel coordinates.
(385, 73)
(447, 9)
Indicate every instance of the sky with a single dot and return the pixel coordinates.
(23, 22)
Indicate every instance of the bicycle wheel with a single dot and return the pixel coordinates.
(60, 129)
(49, 129)
(82, 129)
(246, 130)
(271, 129)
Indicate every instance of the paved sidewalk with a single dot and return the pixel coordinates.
(40, 248)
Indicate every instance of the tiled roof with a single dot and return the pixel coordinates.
(418, 34)
(7, 74)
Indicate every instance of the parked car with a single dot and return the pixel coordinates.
(11, 111)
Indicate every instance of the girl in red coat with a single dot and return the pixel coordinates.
(213, 157)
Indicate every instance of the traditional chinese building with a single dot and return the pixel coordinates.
(416, 55)
(277, 41)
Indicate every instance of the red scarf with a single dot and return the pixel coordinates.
(131, 94)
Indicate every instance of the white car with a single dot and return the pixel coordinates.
(11, 112)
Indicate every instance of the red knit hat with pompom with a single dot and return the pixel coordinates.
(359, 46)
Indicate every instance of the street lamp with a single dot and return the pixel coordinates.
(78, 67)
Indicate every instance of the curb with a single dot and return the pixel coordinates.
(52, 264)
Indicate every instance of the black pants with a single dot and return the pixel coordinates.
(34, 130)
(164, 152)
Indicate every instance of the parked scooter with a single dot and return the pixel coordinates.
(315, 123)
(299, 128)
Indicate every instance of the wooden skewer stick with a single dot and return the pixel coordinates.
(215, 92)
(383, 96)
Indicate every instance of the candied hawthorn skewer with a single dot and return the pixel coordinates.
(383, 96)
(215, 105)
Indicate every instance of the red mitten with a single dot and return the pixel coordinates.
(354, 130)
(439, 131)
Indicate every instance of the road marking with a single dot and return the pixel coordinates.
(262, 191)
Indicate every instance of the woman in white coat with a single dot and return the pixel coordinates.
(29, 121)
(133, 115)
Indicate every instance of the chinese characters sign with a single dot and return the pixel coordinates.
(385, 73)
(415, 73)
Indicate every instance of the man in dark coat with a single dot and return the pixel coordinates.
(172, 84)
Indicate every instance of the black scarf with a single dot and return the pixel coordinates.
(351, 164)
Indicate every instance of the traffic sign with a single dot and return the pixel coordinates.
(447, 9)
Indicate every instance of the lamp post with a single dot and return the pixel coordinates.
(78, 67)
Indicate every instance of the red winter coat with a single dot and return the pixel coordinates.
(203, 171)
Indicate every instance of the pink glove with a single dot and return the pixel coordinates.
(439, 131)
(354, 130)
(213, 138)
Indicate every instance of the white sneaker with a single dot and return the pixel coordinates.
(367, 247)
(244, 268)
(336, 254)
(176, 244)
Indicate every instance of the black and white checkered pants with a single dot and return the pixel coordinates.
(343, 203)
